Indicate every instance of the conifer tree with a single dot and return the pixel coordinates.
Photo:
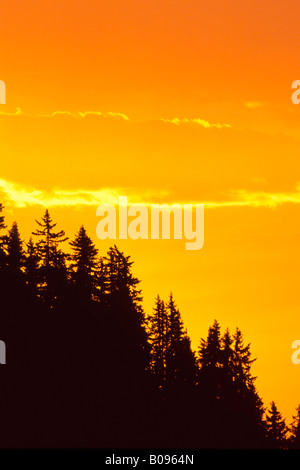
(84, 262)
(174, 328)
(211, 375)
(120, 281)
(173, 361)
(252, 404)
(158, 339)
(180, 360)
(31, 264)
(242, 361)
(294, 439)
(209, 351)
(3, 238)
(52, 269)
(2, 223)
(49, 241)
(227, 354)
(15, 251)
(123, 302)
(276, 428)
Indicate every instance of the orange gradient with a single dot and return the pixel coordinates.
(168, 102)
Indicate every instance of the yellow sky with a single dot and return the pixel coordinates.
(185, 101)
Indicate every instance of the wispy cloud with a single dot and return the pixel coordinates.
(14, 195)
(77, 114)
(84, 114)
(196, 121)
(56, 113)
(116, 115)
(256, 199)
(17, 112)
(253, 104)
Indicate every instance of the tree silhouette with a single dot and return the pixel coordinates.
(83, 264)
(210, 362)
(294, 439)
(31, 265)
(2, 223)
(49, 241)
(52, 269)
(157, 324)
(227, 386)
(180, 360)
(3, 238)
(88, 368)
(15, 251)
(276, 428)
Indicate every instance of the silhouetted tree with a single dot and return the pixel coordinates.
(49, 241)
(31, 264)
(180, 360)
(157, 323)
(276, 428)
(174, 335)
(15, 251)
(227, 361)
(52, 269)
(209, 352)
(210, 362)
(3, 238)
(2, 223)
(89, 369)
(83, 264)
(294, 439)
(242, 361)
(124, 303)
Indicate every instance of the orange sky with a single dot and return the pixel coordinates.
(173, 101)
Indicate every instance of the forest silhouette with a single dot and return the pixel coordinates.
(87, 367)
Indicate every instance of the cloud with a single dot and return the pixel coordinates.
(18, 112)
(56, 113)
(12, 194)
(77, 114)
(117, 115)
(253, 104)
(197, 121)
(84, 114)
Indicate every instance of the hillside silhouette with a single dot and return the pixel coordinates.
(87, 367)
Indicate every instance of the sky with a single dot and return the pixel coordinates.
(180, 101)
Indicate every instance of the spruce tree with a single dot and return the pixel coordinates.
(276, 428)
(2, 223)
(250, 404)
(123, 304)
(31, 264)
(52, 269)
(180, 360)
(209, 351)
(242, 361)
(157, 323)
(49, 241)
(83, 263)
(15, 251)
(294, 440)
(227, 354)
(3, 238)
